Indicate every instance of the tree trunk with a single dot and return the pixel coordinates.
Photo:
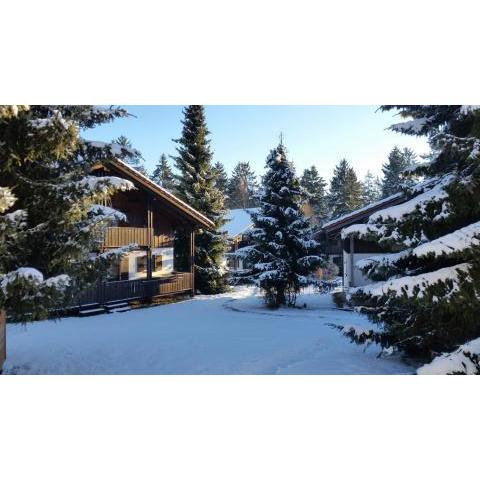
(280, 297)
(3, 338)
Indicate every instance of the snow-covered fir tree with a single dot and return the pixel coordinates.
(51, 212)
(398, 164)
(136, 160)
(196, 184)
(242, 187)
(283, 253)
(222, 178)
(345, 193)
(315, 188)
(371, 188)
(426, 295)
(162, 174)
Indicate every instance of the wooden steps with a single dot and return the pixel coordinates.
(117, 307)
(90, 310)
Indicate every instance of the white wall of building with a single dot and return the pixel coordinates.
(359, 279)
(132, 264)
(167, 260)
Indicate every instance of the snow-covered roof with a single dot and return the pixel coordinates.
(239, 221)
(367, 209)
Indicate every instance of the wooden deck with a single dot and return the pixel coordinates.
(105, 292)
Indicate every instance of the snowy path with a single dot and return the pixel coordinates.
(224, 334)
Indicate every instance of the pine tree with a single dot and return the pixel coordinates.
(426, 298)
(394, 179)
(345, 194)
(243, 187)
(283, 254)
(371, 188)
(136, 160)
(162, 174)
(314, 186)
(51, 217)
(222, 178)
(197, 186)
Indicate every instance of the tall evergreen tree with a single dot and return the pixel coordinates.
(221, 178)
(243, 186)
(371, 188)
(162, 174)
(283, 254)
(345, 193)
(197, 186)
(51, 217)
(314, 186)
(136, 160)
(426, 298)
(393, 170)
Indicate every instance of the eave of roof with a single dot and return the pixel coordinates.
(193, 214)
(364, 212)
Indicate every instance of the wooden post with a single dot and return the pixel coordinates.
(236, 262)
(3, 338)
(149, 238)
(192, 259)
(352, 260)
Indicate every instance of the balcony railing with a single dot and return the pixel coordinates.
(104, 292)
(120, 236)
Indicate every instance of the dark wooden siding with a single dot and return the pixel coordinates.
(120, 236)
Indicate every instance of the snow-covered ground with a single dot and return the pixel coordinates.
(223, 334)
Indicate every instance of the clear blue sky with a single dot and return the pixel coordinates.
(314, 135)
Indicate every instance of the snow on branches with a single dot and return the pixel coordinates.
(7, 199)
(463, 361)
(460, 241)
(426, 292)
(26, 290)
(412, 126)
(46, 244)
(27, 275)
(283, 255)
(457, 241)
(416, 285)
(112, 149)
(103, 185)
(434, 197)
(102, 213)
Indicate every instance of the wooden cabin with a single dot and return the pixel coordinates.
(345, 253)
(153, 217)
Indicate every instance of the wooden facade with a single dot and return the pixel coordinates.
(120, 236)
(153, 218)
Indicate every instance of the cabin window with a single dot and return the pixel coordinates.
(141, 264)
(157, 263)
(118, 270)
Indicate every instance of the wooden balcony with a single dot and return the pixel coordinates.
(120, 236)
(104, 292)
